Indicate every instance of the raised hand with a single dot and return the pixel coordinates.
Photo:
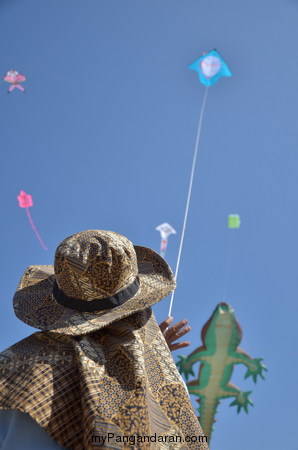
(174, 332)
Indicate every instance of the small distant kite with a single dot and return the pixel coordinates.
(210, 68)
(165, 231)
(25, 201)
(234, 221)
(14, 78)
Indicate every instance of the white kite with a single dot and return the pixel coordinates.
(165, 230)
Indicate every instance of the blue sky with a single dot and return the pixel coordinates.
(104, 136)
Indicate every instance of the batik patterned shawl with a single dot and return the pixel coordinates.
(121, 379)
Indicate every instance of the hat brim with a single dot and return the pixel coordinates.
(34, 303)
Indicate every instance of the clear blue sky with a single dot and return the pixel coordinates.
(104, 136)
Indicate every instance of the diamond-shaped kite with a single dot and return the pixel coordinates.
(210, 68)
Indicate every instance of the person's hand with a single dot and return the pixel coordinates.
(174, 332)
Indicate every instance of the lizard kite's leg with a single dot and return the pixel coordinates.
(254, 367)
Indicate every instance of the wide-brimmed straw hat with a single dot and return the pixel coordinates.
(98, 277)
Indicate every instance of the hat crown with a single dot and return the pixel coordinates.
(95, 264)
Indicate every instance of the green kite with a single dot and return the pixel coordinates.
(221, 336)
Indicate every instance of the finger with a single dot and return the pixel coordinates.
(179, 345)
(175, 328)
(166, 323)
(178, 334)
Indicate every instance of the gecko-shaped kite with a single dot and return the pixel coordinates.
(221, 336)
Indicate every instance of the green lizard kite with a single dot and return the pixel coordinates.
(221, 336)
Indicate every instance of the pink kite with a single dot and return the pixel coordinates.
(25, 201)
(15, 78)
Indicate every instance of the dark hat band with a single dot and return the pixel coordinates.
(98, 304)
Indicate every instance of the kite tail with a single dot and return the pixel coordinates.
(163, 247)
(35, 230)
(189, 191)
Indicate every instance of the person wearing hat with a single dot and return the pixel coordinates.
(100, 373)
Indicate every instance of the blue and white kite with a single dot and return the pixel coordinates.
(210, 68)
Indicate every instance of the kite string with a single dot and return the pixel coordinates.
(35, 230)
(189, 192)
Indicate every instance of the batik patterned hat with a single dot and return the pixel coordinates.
(99, 277)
